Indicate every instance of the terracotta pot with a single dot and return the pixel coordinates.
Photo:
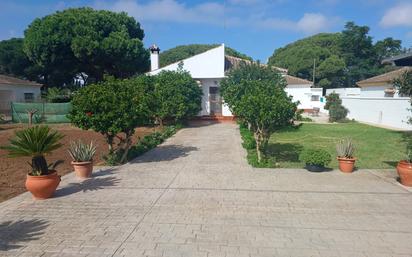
(346, 165)
(42, 187)
(83, 169)
(404, 169)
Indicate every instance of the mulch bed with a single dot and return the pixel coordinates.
(13, 171)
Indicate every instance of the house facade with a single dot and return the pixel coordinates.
(210, 67)
(16, 90)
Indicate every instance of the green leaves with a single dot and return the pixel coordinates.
(34, 141)
(83, 40)
(177, 96)
(256, 95)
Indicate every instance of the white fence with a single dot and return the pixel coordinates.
(385, 111)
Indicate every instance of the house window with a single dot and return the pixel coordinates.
(28, 97)
(315, 98)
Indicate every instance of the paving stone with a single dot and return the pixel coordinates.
(195, 195)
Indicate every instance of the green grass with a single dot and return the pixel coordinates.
(375, 147)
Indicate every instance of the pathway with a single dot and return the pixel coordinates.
(195, 196)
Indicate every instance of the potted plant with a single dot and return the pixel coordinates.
(315, 159)
(345, 150)
(404, 169)
(82, 155)
(36, 142)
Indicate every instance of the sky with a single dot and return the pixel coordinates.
(253, 27)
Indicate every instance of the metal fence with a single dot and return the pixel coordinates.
(44, 112)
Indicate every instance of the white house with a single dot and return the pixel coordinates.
(210, 67)
(16, 90)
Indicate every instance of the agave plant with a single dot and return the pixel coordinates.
(345, 148)
(35, 142)
(81, 152)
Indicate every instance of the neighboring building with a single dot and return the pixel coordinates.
(404, 59)
(210, 67)
(16, 90)
(381, 85)
(344, 91)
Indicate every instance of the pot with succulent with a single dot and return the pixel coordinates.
(345, 150)
(36, 142)
(315, 159)
(82, 155)
(404, 169)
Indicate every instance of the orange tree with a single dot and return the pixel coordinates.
(256, 95)
(114, 108)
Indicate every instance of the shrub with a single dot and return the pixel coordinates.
(337, 113)
(81, 152)
(345, 148)
(332, 99)
(113, 108)
(177, 96)
(316, 157)
(36, 142)
(247, 137)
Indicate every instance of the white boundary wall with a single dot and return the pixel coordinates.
(384, 111)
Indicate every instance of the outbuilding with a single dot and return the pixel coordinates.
(16, 90)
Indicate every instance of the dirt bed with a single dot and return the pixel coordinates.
(13, 170)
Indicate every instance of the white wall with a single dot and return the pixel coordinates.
(205, 84)
(210, 64)
(349, 91)
(386, 111)
(376, 91)
(303, 94)
(15, 93)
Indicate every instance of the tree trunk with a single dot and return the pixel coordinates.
(39, 165)
(128, 143)
(258, 146)
(109, 141)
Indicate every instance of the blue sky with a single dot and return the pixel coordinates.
(254, 27)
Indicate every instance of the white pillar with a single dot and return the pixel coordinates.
(154, 57)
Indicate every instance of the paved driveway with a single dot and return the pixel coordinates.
(196, 196)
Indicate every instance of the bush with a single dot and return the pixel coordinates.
(316, 157)
(337, 113)
(247, 137)
(332, 99)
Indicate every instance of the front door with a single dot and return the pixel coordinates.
(215, 101)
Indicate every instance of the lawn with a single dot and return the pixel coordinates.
(375, 147)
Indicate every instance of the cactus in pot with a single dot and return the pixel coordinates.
(345, 150)
(82, 155)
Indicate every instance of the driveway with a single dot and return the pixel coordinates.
(195, 195)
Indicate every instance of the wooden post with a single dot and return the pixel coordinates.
(31, 112)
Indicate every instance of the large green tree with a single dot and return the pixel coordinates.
(87, 42)
(341, 59)
(256, 95)
(179, 53)
(14, 62)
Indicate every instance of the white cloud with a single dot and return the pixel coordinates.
(310, 23)
(215, 13)
(169, 10)
(399, 15)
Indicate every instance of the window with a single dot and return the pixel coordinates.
(315, 98)
(28, 97)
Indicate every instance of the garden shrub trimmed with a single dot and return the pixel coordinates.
(316, 157)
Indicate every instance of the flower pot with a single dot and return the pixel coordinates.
(404, 169)
(314, 168)
(346, 165)
(83, 169)
(42, 187)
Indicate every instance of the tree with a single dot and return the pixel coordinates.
(113, 108)
(14, 62)
(177, 96)
(179, 53)
(404, 84)
(341, 59)
(256, 95)
(337, 112)
(86, 41)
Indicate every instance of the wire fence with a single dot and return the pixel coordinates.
(43, 112)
